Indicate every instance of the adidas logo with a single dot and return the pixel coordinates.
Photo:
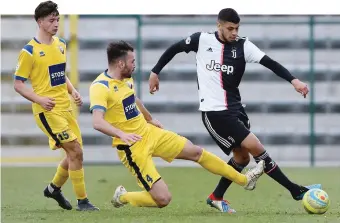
(209, 49)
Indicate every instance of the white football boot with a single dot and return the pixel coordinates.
(115, 201)
(253, 175)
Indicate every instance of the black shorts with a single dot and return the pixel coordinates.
(227, 128)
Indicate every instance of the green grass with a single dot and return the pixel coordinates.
(22, 199)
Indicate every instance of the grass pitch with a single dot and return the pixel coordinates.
(23, 201)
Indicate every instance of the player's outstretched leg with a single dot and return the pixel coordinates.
(158, 196)
(216, 165)
(53, 190)
(254, 146)
(76, 174)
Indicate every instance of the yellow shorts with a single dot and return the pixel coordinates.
(156, 143)
(59, 126)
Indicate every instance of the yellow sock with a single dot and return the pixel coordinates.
(217, 166)
(77, 178)
(138, 199)
(60, 177)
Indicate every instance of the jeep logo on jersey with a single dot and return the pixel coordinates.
(130, 107)
(218, 67)
(57, 74)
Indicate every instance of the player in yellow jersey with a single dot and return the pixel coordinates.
(117, 112)
(43, 62)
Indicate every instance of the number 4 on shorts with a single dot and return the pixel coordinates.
(148, 178)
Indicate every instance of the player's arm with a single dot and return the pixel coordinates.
(254, 55)
(98, 105)
(144, 111)
(73, 92)
(147, 116)
(70, 87)
(187, 45)
(101, 125)
(22, 73)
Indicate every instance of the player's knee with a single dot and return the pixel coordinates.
(74, 152)
(191, 152)
(163, 200)
(197, 153)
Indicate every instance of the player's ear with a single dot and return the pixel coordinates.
(39, 22)
(121, 64)
(219, 25)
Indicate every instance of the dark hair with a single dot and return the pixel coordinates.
(45, 9)
(116, 50)
(229, 15)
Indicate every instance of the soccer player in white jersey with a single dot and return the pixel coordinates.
(221, 59)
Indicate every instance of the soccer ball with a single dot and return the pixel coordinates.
(316, 201)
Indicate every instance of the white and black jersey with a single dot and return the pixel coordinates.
(220, 67)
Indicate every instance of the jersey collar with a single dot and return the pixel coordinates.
(221, 41)
(52, 44)
(36, 40)
(105, 73)
(218, 38)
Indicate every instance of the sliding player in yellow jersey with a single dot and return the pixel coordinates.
(117, 112)
(43, 62)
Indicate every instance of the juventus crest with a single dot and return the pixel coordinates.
(233, 51)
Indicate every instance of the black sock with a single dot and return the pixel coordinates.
(51, 188)
(54, 186)
(274, 171)
(85, 200)
(224, 183)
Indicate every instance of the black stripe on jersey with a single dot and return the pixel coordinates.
(233, 58)
(128, 154)
(48, 128)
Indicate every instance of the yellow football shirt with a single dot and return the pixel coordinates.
(117, 99)
(45, 66)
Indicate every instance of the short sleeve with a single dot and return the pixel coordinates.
(99, 92)
(25, 63)
(191, 42)
(252, 53)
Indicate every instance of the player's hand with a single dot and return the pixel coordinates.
(156, 123)
(46, 102)
(129, 138)
(77, 98)
(153, 83)
(300, 87)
